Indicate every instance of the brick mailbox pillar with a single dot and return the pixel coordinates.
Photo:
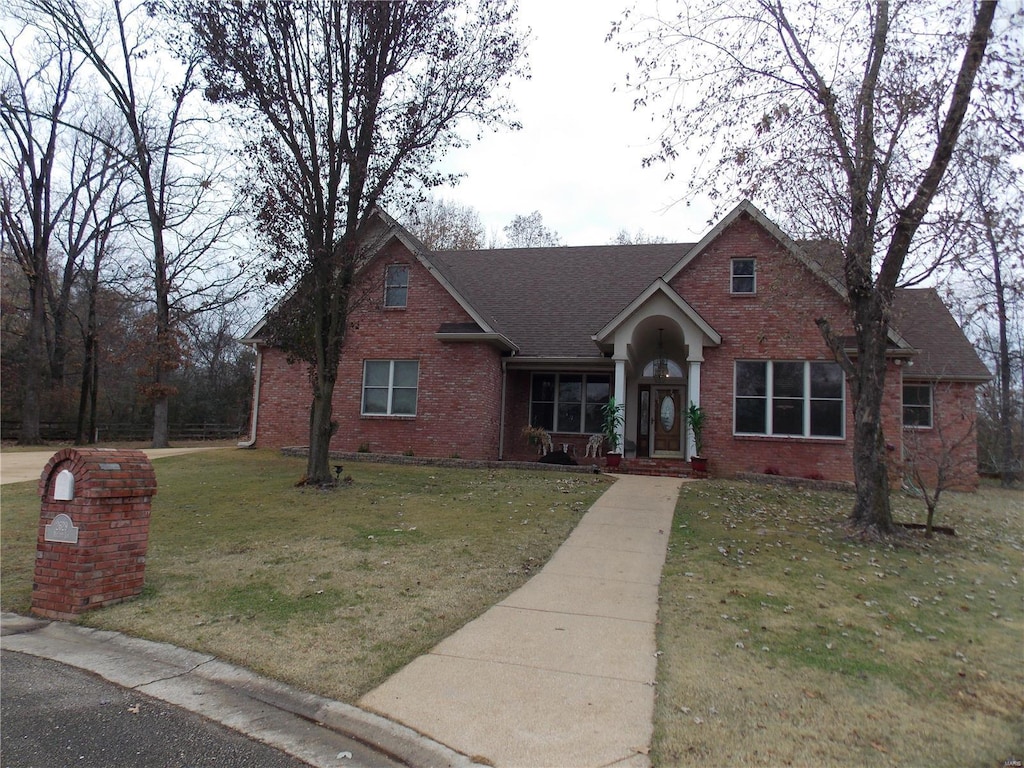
(93, 530)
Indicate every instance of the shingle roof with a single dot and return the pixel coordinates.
(925, 322)
(550, 301)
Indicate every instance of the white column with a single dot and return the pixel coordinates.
(693, 395)
(620, 398)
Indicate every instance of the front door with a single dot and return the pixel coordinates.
(667, 414)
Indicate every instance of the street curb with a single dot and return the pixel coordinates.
(172, 674)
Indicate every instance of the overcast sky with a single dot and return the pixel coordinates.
(577, 159)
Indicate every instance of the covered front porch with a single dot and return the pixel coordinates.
(657, 347)
(649, 358)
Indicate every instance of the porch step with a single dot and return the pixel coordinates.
(656, 467)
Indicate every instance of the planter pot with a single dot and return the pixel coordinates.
(612, 460)
(699, 464)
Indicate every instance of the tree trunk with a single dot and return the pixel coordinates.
(872, 508)
(1007, 470)
(30, 410)
(85, 391)
(161, 435)
(321, 428)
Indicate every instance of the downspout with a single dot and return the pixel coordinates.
(255, 400)
(501, 417)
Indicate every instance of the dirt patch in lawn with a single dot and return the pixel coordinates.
(784, 642)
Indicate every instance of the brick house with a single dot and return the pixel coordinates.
(455, 352)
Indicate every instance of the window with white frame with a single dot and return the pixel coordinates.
(789, 398)
(396, 286)
(389, 387)
(744, 277)
(569, 402)
(917, 405)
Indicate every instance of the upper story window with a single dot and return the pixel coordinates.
(744, 277)
(917, 405)
(396, 286)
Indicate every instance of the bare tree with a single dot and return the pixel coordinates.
(941, 457)
(33, 98)
(989, 238)
(530, 232)
(447, 226)
(845, 117)
(347, 105)
(187, 212)
(625, 237)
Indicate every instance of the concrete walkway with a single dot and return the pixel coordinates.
(561, 673)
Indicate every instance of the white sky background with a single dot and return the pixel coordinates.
(577, 159)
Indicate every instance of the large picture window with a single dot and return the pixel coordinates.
(917, 405)
(799, 398)
(568, 402)
(389, 387)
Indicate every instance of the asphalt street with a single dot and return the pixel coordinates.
(56, 716)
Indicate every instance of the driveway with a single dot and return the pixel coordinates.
(19, 466)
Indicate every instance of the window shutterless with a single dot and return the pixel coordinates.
(568, 402)
(390, 387)
(788, 398)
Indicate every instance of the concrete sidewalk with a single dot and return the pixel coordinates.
(561, 673)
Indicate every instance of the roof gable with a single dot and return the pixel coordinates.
(749, 209)
(659, 287)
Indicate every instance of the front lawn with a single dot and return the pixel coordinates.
(785, 642)
(331, 591)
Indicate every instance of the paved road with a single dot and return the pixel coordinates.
(55, 715)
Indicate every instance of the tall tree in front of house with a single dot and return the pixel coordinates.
(346, 105)
(840, 117)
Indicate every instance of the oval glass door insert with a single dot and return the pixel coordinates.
(668, 413)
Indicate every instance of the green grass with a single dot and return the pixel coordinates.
(329, 590)
(785, 641)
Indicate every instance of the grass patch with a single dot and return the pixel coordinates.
(331, 591)
(784, 642)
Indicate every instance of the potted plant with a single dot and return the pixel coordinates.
(613, 420)
(695, 417)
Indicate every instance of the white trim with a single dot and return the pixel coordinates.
(658, 286)
(733, 276)
(389, 412)
(388, 285)
(931, 405)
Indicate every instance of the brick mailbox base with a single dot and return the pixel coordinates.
(93, 530)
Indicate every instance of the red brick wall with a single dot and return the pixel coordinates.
(459, 382)
(775, 323)
(951, 442)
